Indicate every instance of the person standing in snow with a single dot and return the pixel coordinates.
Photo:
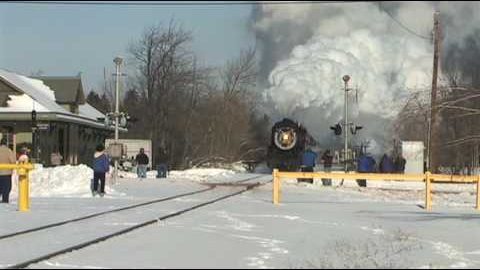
(142, 164)
(400, 164)
(23, 158)
(101, 166)
(6, 157)
(308, 164)
(56, 158)
(327, 159)
(366, 164)
(386, 165)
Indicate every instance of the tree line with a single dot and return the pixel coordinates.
(456, 134)
(193, 114)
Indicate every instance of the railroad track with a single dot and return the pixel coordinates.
(211, 186)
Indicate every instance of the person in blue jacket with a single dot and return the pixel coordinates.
(308, 163)
(366, 164)
(387, 165)
(101, 166)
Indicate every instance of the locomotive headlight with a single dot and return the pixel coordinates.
(285, 139)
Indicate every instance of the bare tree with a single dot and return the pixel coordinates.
(165, 66)
(190, 112)
(240, 75)
(457, 130)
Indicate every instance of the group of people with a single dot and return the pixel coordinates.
(101, 166)
(309, 159)
(365, 164)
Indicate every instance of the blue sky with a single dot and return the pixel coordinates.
(63, 40)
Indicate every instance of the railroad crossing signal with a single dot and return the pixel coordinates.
(355, 128)
(337, 129)
(123, 119)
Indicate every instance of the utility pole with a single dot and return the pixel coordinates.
(118, 61)
(433, 110)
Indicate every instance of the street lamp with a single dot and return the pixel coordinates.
(118, 62)
(34, 135)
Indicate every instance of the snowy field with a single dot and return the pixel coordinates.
(314, 227)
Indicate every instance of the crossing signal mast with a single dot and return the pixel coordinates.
(340, 128)
(346, 78)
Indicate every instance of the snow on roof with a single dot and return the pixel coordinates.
(36, 90)
(89, 111)
(39, 97)
(23, 103)
(68, 90)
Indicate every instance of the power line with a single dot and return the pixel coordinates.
(179, 3)
(402, 25)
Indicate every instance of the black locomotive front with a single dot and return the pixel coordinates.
(287, 144)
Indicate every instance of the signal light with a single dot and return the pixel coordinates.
(337, 129)
(354, 129)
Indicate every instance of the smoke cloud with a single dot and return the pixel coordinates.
(386, 48)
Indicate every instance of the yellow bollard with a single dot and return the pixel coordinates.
(276, 187)
(23, 191)
(428, 192)
(279, 183)
(478, 192)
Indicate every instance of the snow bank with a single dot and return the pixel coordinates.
(238, 167)
(201, 175)
(132, 175)
(196, 174)
(62, 181)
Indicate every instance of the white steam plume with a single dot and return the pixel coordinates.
(309, 47)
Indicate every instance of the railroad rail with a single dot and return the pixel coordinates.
(211, 186)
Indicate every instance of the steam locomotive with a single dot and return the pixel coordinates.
(288, 142)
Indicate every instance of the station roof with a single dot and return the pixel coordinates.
(26, 94)
(68, 90)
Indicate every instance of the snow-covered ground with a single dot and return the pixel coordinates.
(412, 193)
(198, 175)
(314, 227)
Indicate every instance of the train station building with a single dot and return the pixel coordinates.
(48, 115)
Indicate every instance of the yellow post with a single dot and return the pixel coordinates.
(23, 191)
(279, 183)
(428, 192)
(28, 189)
(276, 187)
(478, 192)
